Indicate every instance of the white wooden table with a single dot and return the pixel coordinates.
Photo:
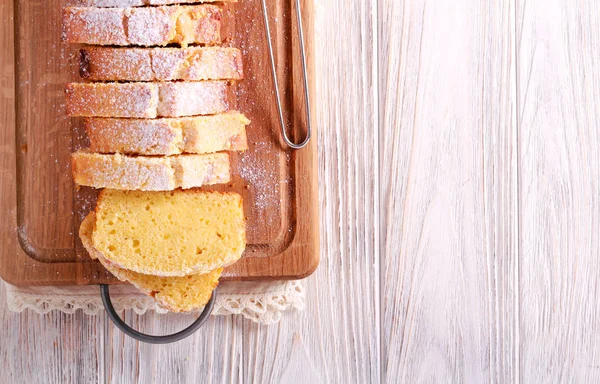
(460, 199)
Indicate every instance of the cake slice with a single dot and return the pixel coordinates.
(146, 100)
(149, 173)
(168, 136)
(138, 3)
(146, 26)
(175, 233)
(176, 294)
(152, 64)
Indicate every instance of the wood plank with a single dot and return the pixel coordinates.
(447, 223)
(50, 348)
(336, 339)
(559, 169)
(212, 355)
(341, 318)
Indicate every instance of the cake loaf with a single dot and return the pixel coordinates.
(149, 173)
(147, 26)
(163, 64)
(146, 100)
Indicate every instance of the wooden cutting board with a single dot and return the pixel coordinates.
(43, 209)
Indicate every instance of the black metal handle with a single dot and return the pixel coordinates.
(166, 339)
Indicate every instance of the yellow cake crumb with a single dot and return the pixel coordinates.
(177, 294)
(173, 233)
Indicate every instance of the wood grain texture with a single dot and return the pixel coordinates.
(446, 121)
(336, 339)
(212, 355)
(559, 172)
(51, 348)
(341, 318)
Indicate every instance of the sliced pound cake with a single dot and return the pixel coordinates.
(147, 26)
(138, 3)
(177, 294)
(162, 64)
(168, 136)
(149, 173)
(146, 100)
(175, 233)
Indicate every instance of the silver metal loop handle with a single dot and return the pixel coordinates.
(304, 73)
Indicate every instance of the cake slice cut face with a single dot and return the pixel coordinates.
(173, 233)
(177, 294)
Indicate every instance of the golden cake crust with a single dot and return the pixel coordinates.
(146, 100)
(118, 171)
(138, 3)
(147, 26)
(168, 136)
(160, 64)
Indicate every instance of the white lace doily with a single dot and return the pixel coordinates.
(262, 302)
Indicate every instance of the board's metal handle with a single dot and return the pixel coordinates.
(112, 314)
(287, 140)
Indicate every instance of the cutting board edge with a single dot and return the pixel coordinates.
(19, 269)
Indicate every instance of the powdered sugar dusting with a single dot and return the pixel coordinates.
(112, 99)
(94, 26)
(112, 64)
(146, 100)
(261, 174)
(149, 64)
(192, 98)
(147, 136)
(135, 3)
(143, 26)
(149, 173)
